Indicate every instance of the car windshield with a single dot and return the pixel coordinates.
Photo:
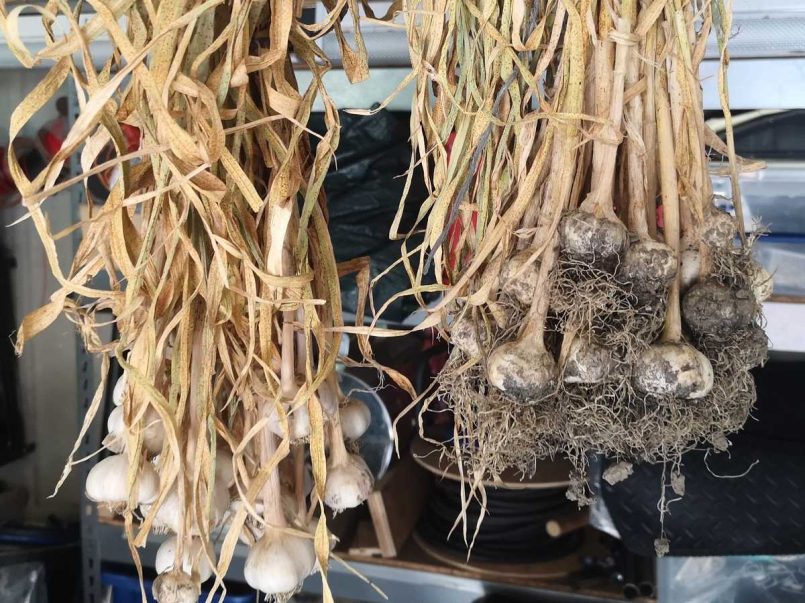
(775, 136)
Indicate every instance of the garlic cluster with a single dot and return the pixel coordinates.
(282, 554)
(107, 483)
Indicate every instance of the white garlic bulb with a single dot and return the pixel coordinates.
(171, 513)
(153, 432)
(355, 418)
(298, 423)
(120, 389)
(107, 481)
(194, 558)
(349, 482)
(279, 562)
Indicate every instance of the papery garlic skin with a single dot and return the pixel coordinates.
(193, 555)
(690, 266)
(762, 283)
(279, 562)
(107, 481)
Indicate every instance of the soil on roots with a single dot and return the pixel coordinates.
(494, 431)
(734, 266)
(596, 304)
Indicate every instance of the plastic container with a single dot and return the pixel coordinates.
(738, 579)
(126, 589)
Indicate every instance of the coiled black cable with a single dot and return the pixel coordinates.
(513, 528)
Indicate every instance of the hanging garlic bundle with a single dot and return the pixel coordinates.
(222, 278)
(570, 200)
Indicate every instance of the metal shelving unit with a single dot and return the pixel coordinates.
(398, 583)
(760, 81)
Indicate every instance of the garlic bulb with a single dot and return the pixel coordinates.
(355, 418)
(176, 587)
(153, 432)
(464, 336)
(115, 427)
(107, 481)
(519, 281)
(120, 389)
(673, 369)
(279, 562)
(171, 513)
(689, 267)
(195, 556)
(298, 423)
(349, 483)
(762, 283)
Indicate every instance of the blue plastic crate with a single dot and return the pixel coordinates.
(126, 589)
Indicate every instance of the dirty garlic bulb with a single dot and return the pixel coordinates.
(175, 586)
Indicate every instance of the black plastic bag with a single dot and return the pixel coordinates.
(364, 188)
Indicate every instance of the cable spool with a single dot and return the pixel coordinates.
(512, 530)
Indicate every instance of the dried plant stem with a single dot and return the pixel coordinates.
(670, 203)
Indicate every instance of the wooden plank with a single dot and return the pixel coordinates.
(397, 503)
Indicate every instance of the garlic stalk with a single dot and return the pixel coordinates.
(594, 234)
(671, 367)
(648, 265)
(224, 471)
